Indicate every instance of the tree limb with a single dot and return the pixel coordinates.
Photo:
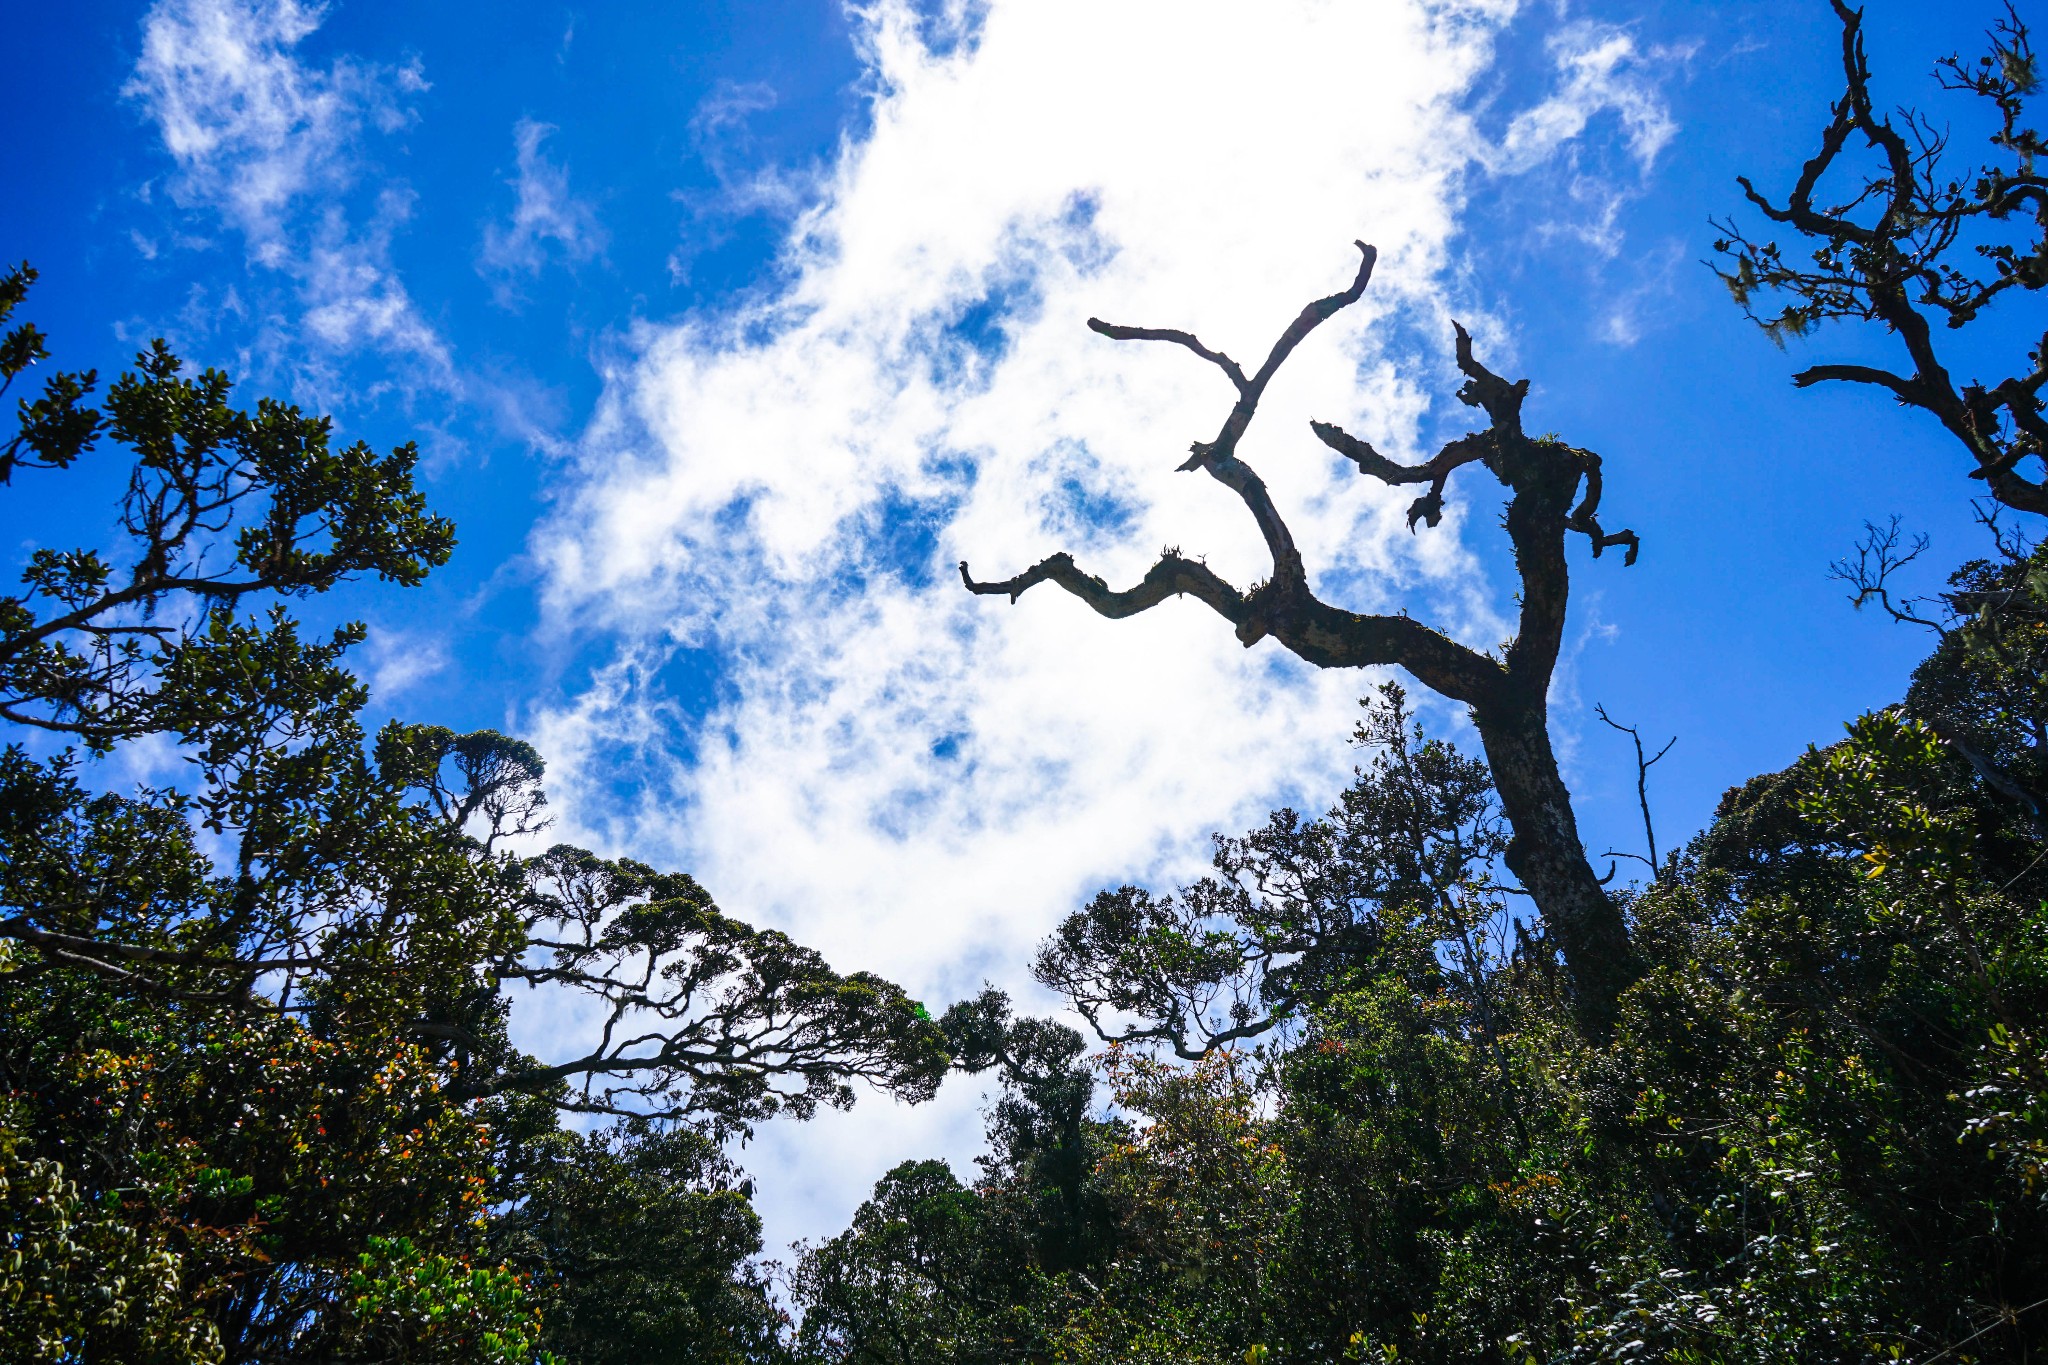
(1170, 577)
(1507, 694)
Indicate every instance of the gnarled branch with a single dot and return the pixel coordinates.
(1436, 471)
(1172, 576)
(1507, 694)
(1888, 247)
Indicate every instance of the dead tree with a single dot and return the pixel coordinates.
(1507, 692)
(1911, 242)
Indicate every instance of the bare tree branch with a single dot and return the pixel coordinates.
(1435, 472)
(1172, 576)
(1217, 358)
(1878, 557)
(1507, 693)
(1888, 246)
(1643, 766)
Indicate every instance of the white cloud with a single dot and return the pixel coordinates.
(271, 144)
(399, 660)
(920, 782)
(721, 120)
(720, 133)
(1600, 68)
(745, 185)
(354, 299)
(543, 212)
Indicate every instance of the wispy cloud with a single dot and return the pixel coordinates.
(1652, 281)
(547, 220)
(918, 781)
(721, 133)
(1600, 69)
(271, 145)
(354, 299)
(743, 183)
(399, 660)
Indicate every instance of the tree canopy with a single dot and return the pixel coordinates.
(261, 1100)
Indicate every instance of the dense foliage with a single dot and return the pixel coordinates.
(258, 1100)
(1819, 1134)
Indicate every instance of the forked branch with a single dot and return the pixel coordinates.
(1496, 448)
(1881, 553)
(1435, 472)
(1904, 240)
(1643, 766)
(1507, 692)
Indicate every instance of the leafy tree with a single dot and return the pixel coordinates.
(1043, 1139)
(221, 506)
(1817, 1133)
(356, 881)
(70, 1253)
(932, 1269)
(919, 1276)
(265, 1159)
(703, 1016)
(637, 1244)
(1296, 906)
(253, 1027)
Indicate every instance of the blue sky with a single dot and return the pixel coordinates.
(726, 328)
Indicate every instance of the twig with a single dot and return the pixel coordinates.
(2006, 1317)
(1877, 559)
(1643, 766)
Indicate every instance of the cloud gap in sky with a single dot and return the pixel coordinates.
(920, 782)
